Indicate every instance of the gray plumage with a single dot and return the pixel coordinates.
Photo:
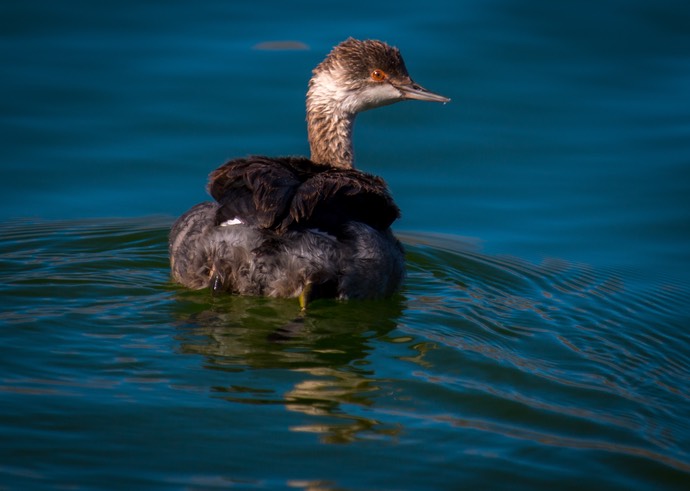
(293, 227)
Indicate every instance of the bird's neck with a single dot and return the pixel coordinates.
(329, 122)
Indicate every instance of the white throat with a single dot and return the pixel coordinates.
(327, 89)
(332, 106)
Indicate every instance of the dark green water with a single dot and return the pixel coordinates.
(541, 339)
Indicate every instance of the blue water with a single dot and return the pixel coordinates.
(541, 339)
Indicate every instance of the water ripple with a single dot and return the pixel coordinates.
(602, 348)
(503, 357)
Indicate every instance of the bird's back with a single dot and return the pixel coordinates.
(293, 193)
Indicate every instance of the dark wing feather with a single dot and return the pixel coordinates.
(289, 192)
(336, 196)
(256, 190)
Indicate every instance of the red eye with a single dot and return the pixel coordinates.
(378, 75)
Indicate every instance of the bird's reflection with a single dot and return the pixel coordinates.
(323, 354)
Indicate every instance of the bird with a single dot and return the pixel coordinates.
(298, 227)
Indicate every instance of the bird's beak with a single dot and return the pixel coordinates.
(413, 91)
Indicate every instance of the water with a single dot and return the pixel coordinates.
(540, 339)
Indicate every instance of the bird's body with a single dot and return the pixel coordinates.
(280, 224)
(294, 227)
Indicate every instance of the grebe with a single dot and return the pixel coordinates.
(294, 227)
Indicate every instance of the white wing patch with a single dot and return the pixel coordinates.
(233, 221)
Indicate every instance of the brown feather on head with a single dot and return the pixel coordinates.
(361, 58)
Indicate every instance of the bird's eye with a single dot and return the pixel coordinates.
(378, 75)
